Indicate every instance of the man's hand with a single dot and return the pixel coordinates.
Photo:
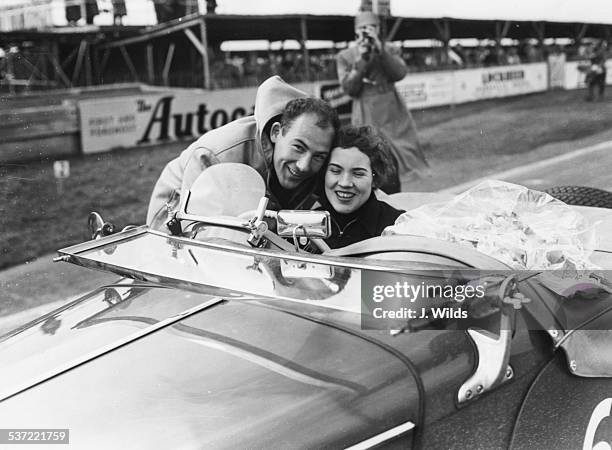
(368, 40)
(374, 38)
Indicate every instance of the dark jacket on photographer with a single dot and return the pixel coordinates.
(240, 141)
(367, 222)
(370, 81)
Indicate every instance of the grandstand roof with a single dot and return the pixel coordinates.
(583, 11)
(340, 28)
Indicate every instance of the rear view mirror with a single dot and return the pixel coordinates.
(296, 223)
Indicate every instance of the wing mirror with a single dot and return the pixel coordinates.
(97, 227)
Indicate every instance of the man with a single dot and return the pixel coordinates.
(287, 141)
(596, 77)
(367, 72)
(119, 10)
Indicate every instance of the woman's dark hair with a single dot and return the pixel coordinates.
(372, 143)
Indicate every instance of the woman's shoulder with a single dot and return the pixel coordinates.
(387, 214)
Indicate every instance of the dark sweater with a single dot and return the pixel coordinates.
(368, 221)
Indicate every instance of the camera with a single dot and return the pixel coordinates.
(364, 35)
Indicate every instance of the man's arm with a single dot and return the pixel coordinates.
(393, 65)
(167, 190)
(351, 75)
(176, 178)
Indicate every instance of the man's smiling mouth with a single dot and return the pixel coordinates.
(294, 173)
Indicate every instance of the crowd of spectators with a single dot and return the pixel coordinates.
(238, 69)
(444, 58)
(251, 68)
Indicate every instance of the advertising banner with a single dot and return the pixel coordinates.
(503, 81)
(424, 90)
(153, 118)
(333, 94)
(419, 90)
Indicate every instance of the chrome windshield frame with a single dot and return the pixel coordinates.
(72, 252)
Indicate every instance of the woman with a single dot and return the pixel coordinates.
(359, 163)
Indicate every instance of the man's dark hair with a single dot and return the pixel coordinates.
(326, 115)
(373, 144)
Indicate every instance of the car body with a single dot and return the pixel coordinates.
(208, 344)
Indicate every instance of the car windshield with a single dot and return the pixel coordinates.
(229, 189)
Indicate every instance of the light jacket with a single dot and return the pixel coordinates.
(376, 102)
(240, 141)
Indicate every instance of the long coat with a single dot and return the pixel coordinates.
(376, 102)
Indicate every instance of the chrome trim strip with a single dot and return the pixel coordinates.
(382, 437)
(305, 257)
(89, 245)
(218, 221)
(348, 262)
(4, 395)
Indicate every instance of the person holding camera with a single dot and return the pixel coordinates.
(367, 72)
(596, 75)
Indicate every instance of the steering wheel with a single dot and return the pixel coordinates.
(321, 245)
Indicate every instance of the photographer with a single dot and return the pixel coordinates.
(367, 72)
(596, 76)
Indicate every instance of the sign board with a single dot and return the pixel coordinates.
(499, 81)
(61, 169)
(154, 118)
(335, 96)
(163, 116)
(424, 90)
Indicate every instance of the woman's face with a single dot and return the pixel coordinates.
(348, 179)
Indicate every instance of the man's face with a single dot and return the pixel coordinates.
(364, 35)
(300, 152)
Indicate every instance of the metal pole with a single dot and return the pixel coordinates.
(304, 30)
(10, 71)
(167, 64)
(150, 64)
(129, 63)
(79, 62)
(83, 11)
(205, 61)
(87, 61)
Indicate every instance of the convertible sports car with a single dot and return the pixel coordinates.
(222, 334)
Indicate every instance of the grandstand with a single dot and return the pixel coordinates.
(186, 51)
(107, 82)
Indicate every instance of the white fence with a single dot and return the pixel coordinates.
(162, 116)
